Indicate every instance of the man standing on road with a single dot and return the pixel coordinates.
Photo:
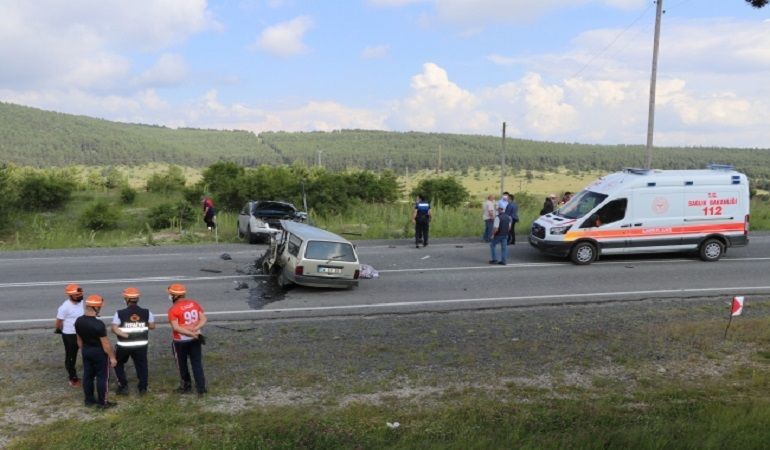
(68, 312)
(500, 230)
(187, 318)
(488, 215)
(512, 211)
(131, 325)
(97, 353)
(421, 220)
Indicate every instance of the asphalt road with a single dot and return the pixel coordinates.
(450, 274)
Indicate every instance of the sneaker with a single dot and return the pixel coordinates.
(122, 390)
(107, 405)
(75, 382)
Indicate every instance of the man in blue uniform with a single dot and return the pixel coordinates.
(421, 220)
(97, 353)
(131, 325)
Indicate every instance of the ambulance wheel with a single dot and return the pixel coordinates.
(711, 250)
(583, 253)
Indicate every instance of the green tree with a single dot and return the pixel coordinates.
(446, 191)
(172, 180)
(757, 3)
(41, 191)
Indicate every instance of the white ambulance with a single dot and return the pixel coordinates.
(650, 211)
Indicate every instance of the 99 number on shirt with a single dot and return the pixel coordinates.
(190, 316)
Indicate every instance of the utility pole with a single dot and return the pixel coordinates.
(319, 157)
(653, 80)
(438, 170)
(502, 164)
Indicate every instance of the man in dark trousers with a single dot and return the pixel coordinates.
(68, 312)
(421, 220)
(500, 230)
(512, 210)
(97, 353)
(187, 318)
(132, 326)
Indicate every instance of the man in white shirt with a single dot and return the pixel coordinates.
(68, 312)
(488, 214)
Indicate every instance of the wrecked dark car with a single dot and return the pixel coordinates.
(258, 220)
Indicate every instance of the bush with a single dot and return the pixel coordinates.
(169, 215)
(127, 195)
(101, 216)
(172, 180)
(446, 191)
(39, 191)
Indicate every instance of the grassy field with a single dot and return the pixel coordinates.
(652, 374)
(61, 229)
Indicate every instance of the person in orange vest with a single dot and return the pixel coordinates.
(187, 318)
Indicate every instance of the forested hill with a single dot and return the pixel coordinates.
(39, 138)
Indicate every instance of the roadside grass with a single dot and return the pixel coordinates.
(62, 228)
(640, 375)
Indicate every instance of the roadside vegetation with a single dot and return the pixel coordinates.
(106, 207)
(649, 374)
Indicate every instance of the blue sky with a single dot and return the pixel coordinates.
(557, 70)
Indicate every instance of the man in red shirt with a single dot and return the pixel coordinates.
(187, 318)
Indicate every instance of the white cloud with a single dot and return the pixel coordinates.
(436, 103)
(64, 45)
(474, 13)
(170, 69)
(285, 38)
(375, 52)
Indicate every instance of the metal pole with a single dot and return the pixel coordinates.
(653, 80)
(502, 165)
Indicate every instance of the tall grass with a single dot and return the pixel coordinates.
(61, 228)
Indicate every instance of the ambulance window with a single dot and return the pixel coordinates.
(609, 213)
(581, 204)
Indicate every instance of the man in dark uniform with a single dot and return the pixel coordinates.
(131, 325)
(512, 210)
(97, 353)
(421, 220)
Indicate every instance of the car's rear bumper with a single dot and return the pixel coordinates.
(312, 281)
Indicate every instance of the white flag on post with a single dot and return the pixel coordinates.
(737, 307)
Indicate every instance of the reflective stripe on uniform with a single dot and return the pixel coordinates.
(132, 343)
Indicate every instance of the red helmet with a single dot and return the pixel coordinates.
(95, 300)
(177, 289)
(131, 293)
(73, 289)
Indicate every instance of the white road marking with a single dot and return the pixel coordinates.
(126, 280)
(740, 289)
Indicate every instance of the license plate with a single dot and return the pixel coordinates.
(334, 270)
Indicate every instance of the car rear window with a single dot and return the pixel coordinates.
(325, 250)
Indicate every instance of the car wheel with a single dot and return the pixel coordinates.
(583, 253)
(283, 282)
(711, 250)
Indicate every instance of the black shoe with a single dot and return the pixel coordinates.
(121, 390)
(501, 263)
(90, 404)
(416, 245)
(425, 244)
(107, 405)
(492, 261)
(142, 392)
(202, 393)
(184, 390)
